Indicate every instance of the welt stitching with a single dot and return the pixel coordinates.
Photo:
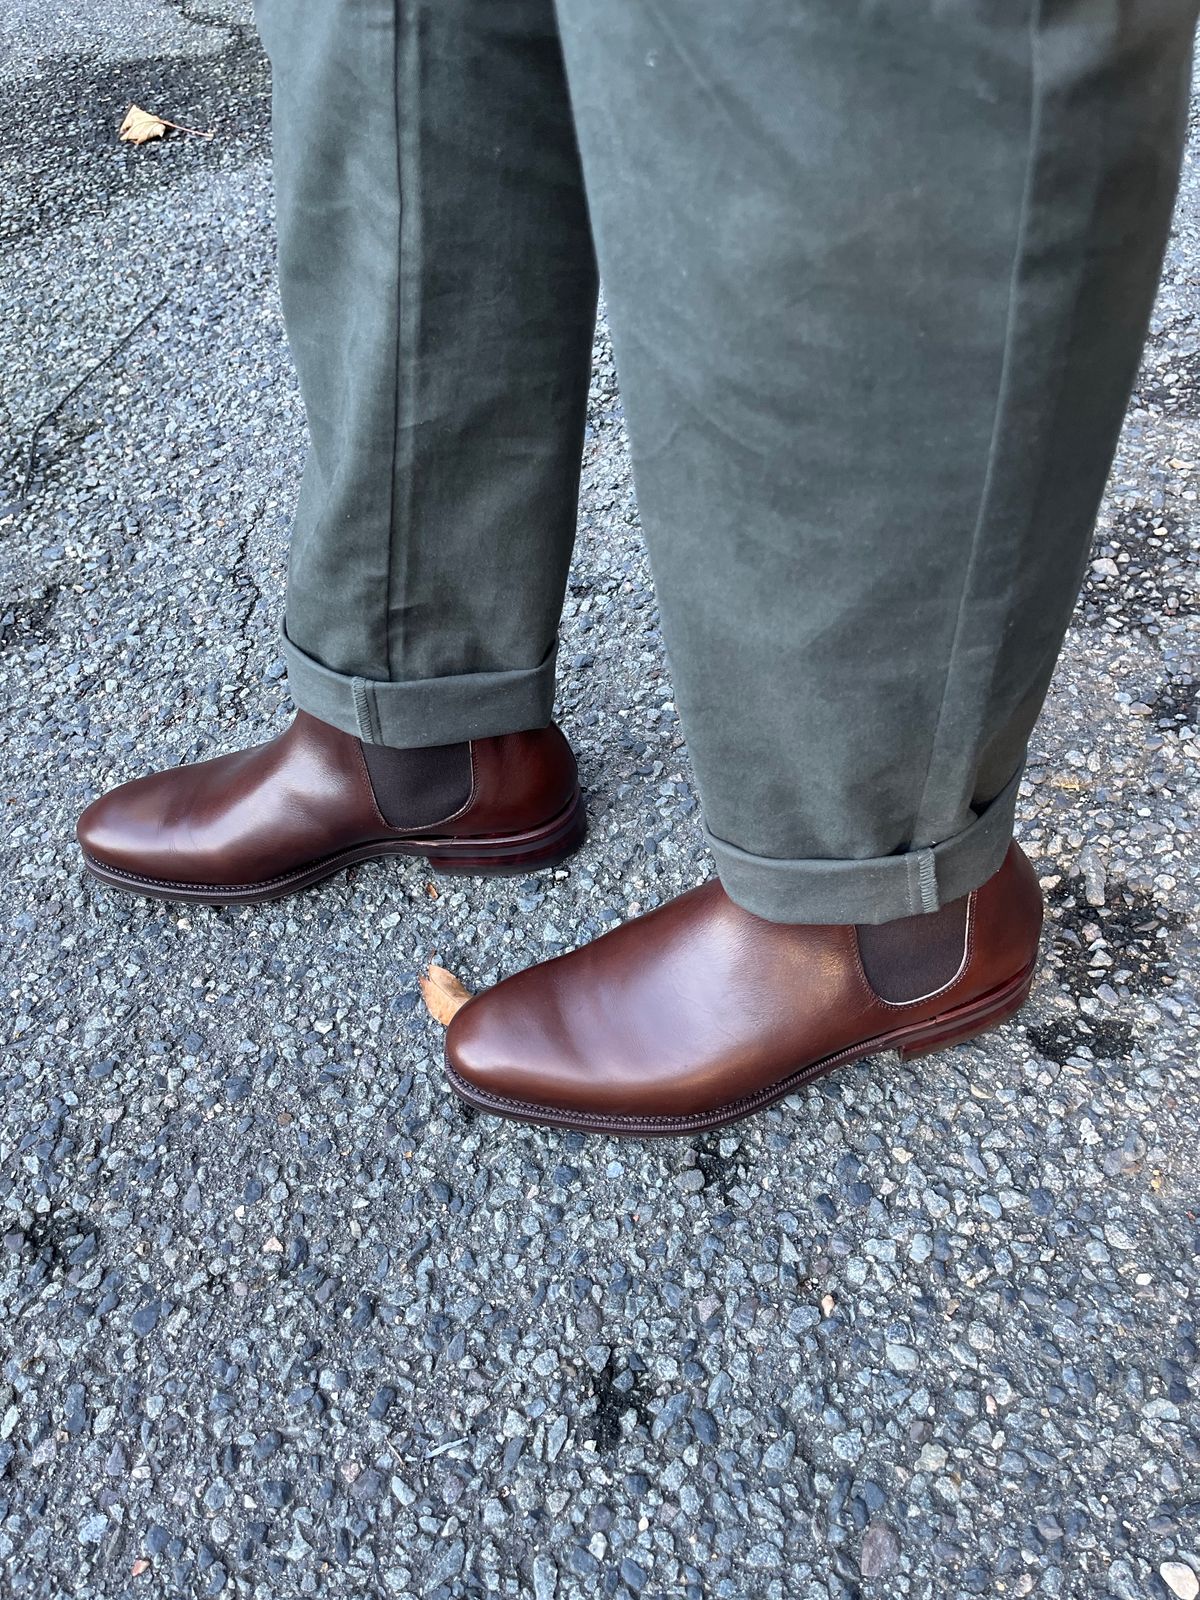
(227, 888)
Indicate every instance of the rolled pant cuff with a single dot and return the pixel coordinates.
(878, 890)
(423, 711)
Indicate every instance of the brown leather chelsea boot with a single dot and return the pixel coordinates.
(264, 822)
(699, 1013)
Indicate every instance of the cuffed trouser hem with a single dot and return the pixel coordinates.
(423, 711)
(878, 890)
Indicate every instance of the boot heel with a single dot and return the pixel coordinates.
(970, 1022)
(535, 851)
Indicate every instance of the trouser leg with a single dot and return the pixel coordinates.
(878, 278)
(439, 290)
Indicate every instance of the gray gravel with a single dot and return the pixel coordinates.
(277, 1315)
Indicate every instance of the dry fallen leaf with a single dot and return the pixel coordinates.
(442, 993)
(140, 126)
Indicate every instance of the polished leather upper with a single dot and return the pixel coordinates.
(261, 813)
(699, 1003)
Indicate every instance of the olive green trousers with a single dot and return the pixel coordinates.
(878, 275)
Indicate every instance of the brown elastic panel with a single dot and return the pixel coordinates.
(416, 788)
(913, 956)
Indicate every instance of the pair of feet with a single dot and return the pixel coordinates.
(691, 1016)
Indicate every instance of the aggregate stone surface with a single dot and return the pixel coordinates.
(277, 1315)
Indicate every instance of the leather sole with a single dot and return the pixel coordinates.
(498, 855)
(936, 1033)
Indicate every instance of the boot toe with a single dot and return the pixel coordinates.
(129, 831)
(106, 830)
(489, 1051)
(511, 1051)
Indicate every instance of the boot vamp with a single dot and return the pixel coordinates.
(242, 818)
(691, 1007)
